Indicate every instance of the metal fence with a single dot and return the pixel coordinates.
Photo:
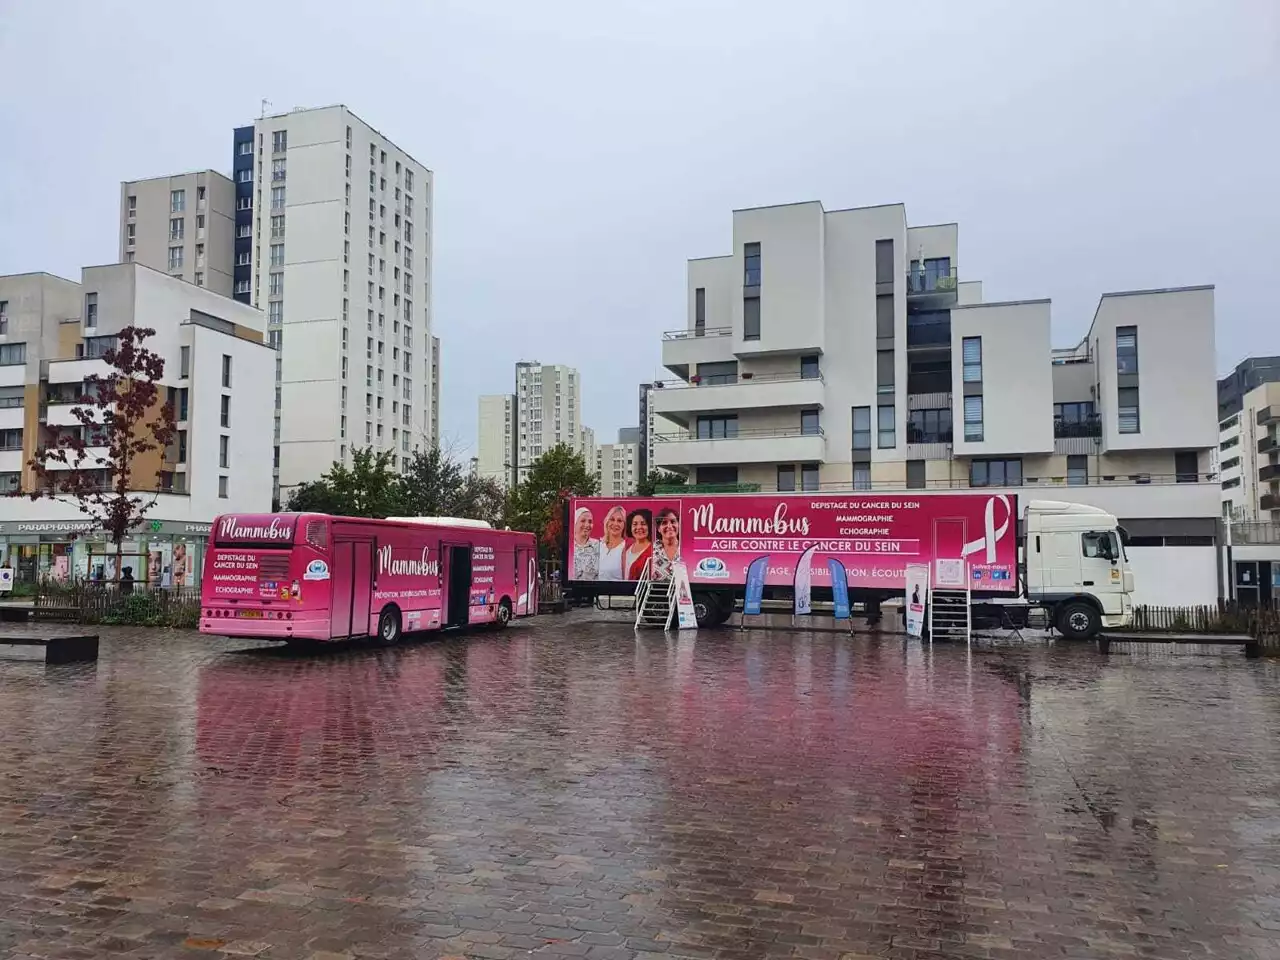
(110, 603)
(1259, 622)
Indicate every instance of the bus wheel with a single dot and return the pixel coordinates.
(1078, 620)
(503, 613)
(389, 632)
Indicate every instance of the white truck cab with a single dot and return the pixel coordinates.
(1076, 566)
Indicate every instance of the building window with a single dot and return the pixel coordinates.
(184, 363)
(712, 374)
(177, 228)
(279, 141)
(4, 317)
(224, 451)
(11, 439)
(751, 264)
(244, 203)
(91, 310)
(277, 254)
(222, 487)
(226, 370)
(12, 354)
(175, 258)
(809, 476)
(1126, 350)
(717, 428)
(1077, 470)
(884, 316)
(973, 419)
(916, 475)
(132, 204)
(861, 428)
(97, 347)
(884, 262)
(1186, 466)
(245, 176)
(408, 179)
(275, 285)
(751, 318)
(809, 425)
(177, 201)
(929, 426)
(886, 427)
(242, 286)
(226, 410)
(1129, 419)
(244, 231)
(246, 148)
(809, 369)
(995, 473)
(884, 372)
(244, 259)
(277, 170)
(131, 233)
(971, 351)
(699, 311)
(277, 198)
(277, 227)
(182, 446)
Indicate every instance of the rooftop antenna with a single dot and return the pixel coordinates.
(265, 103)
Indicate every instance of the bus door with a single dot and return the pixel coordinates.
(526, 583)
(457, 586)
(352, 578)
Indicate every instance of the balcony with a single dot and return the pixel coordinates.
(682, 349)
(1076, 437)
(758, 445)
(1268, 415)
(929, 331)
(1255, 534)
(933, 287)
(1269, 472)
(1269, 501)
(1268, 444)
(677, 399)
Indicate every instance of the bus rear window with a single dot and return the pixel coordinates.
(317, 534)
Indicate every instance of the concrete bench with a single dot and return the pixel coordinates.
(69, 649)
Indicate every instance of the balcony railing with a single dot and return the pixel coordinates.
(751, 433)
(725, 379)
(924, 281)
(1255, 533)
(1269, 501)
(963, 483)
(1268, 415)
(1268, 444)
(916, 435)
(1270, 472)
(701, 488)
(1074, 429)
(931, 334)
(697, 333)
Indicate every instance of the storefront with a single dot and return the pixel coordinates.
(159, 553)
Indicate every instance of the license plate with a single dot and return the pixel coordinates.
(249, 614)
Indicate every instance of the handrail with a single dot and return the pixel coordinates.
(686, 437)
(1028, 484)
(733, 380)
(694, 333)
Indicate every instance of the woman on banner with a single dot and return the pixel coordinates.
(614, 544)
(667, 550)
(639, 523)
(586, 550)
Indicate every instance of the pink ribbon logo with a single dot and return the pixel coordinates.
(992, 534)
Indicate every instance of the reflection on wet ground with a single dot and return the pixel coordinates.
(569, 789)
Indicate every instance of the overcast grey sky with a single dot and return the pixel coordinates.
(584, 150)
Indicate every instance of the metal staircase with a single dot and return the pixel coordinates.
(655, 602)
(950, 615)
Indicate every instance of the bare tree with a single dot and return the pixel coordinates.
(96, 466)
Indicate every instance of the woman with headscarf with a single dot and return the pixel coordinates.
(613, 545)
(667, 550)
(639, 523)
(586, 550)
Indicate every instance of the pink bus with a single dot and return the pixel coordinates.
(311, 577)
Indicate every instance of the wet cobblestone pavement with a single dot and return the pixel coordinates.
(566, 790)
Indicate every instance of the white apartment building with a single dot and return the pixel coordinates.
(495, 447)
(548, 411)
(587, 448)
(617, 466)
(53, 333)
(841, 350)
(181, 225)
(333, 242)
(1249, 452)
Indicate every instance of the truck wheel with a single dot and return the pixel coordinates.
(706, 609)
(1078, 620)
(389, 631)
(503, 615)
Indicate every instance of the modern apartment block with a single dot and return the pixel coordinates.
(617, 465)
(1247, 375)
(181, 225)
(844, 350)
(1249, 458)
(333, 238)
(548, 411)
(495, 454)
(53, 334)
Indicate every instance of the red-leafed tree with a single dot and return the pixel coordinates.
(96, 466)
(538, 503)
